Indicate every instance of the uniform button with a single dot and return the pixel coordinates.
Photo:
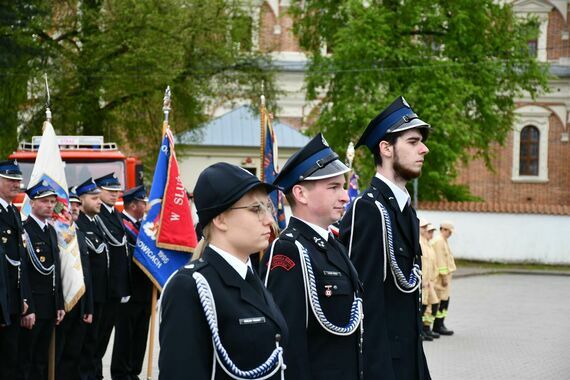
(335, 287)
(401, 249)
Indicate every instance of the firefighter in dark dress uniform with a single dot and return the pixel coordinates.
(88, 192)
(217, 319)
(309, 273)
(131, 328)
(381, 232)
(45, 282)
(70, 334)
(15, 271)
(111, 223)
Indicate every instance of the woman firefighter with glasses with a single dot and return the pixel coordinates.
(217, 319)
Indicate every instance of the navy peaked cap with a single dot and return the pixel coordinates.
(73, 197)
(40, 190)
(109, 182)
(221, 185)
(314, 161)
(10, 169)
(397, 117)
(87, 187)
(135, 194)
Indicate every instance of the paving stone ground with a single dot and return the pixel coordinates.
(507, 326)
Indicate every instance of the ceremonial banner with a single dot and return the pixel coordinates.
(167, 232)
(269, 159)
(49, 168)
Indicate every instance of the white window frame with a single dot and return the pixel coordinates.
(537, 117)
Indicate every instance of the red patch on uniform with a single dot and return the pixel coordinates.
(282, 261)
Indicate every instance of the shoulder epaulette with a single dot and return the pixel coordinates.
(196, 265)
(289, 234)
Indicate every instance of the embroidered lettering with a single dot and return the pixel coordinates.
(282, 261)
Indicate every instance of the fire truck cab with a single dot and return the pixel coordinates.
(83, 157)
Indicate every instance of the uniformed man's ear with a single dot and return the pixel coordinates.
(220, 222)
(386, 149)
(299, 192)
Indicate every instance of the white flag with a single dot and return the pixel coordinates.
(49, 167)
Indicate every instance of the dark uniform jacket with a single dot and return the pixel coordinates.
(141, 284)
(86, 302)
(314, 353)
(247, 322)
(11, 239)
(46, 291)
(4, 305)
(120, 268)
(392, 323)
(98, 262)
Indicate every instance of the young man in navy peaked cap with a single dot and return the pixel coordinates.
(381, 231)
(309, 273)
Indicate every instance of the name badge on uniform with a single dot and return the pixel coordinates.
(251, 321)
(331, 273)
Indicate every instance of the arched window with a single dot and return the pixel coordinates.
(529, 151)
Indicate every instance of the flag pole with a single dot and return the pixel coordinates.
(262, 116)
(51, 364)
(166, 109)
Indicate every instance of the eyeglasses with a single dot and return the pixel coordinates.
(259, 208)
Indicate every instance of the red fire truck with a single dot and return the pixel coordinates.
(83, 157)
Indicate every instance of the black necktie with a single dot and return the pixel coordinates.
(255, 283)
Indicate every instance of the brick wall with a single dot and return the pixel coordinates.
(269, 40)
(555, 45)
(498, 186)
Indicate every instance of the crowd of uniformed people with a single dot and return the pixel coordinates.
(117, 294)
(338, 294)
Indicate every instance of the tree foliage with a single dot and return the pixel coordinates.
(109, 62)
(459, 63)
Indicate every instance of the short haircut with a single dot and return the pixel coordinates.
(291, 198)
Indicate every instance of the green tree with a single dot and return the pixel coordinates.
(459, 63)
(109, 62)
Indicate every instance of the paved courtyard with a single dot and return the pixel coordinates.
(506, 327)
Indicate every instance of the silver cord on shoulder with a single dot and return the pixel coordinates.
(270, 367)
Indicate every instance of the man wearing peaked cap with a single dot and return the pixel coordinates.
(16, 298)
(308, 271)
(71, 333)
(111, 223)
(131, 328)
(45, 282)
(99, 262)
(381, 230)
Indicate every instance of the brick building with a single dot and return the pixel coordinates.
(530, 169)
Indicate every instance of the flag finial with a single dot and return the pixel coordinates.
(48, 99)
(166, 103)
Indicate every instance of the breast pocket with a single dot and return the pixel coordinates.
(330, 284)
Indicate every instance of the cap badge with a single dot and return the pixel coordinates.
(44, 183)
